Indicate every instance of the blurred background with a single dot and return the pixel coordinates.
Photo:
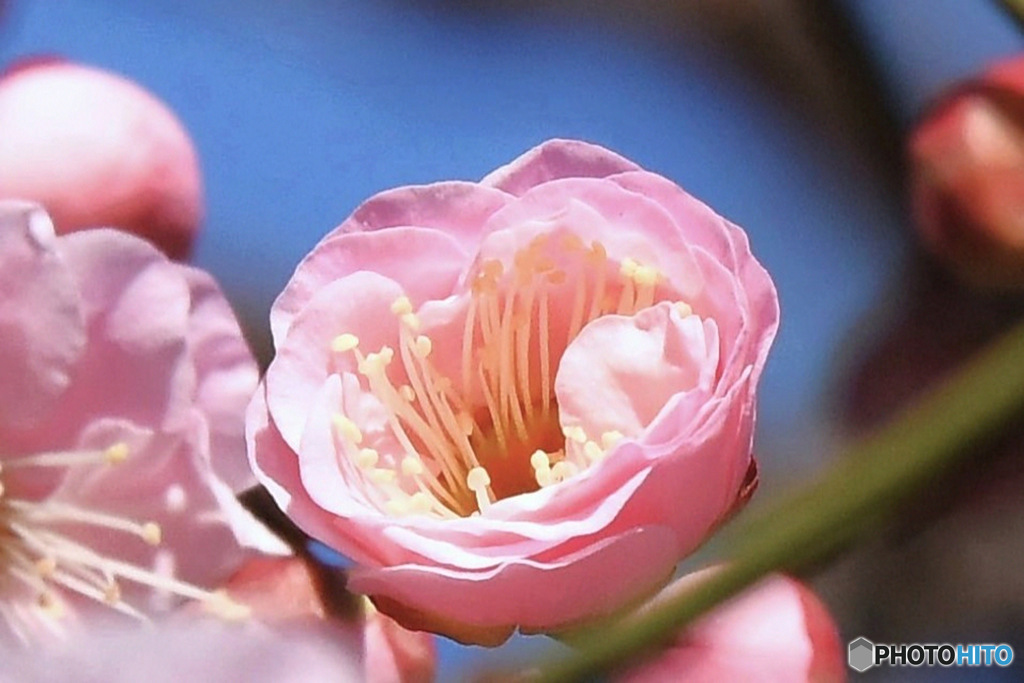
(786, 116)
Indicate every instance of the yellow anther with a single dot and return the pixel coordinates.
(51, 604)
(412, 466)
(347, 428)
(597, 252)
(593, 451)
(572, 242)
(411, 320)
(152, 533)
(380, 475)
(367, 458)
(563, 469)
(406, 392)
(609, 439)
(420, 502)
(682, 308)
(422, 346)
(401, 306)
(575, 433)
(465, 422)
(117, 453)
(478, 479)
(112, 594)
(646, 276)
(386, 354)
(628, 267)
(344, 342)
(46, 566)
(544, 477)
(540, 460)
(493, 269)
(221, 605)
(556, 277)
(397, 507)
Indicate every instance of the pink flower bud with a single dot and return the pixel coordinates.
(97, 150)
(967, 177)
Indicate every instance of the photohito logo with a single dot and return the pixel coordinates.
(862, 654)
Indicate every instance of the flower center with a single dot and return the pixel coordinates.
(496, 432)
(40, 558)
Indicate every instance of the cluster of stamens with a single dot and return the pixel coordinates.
(496, 433)
(38, 552)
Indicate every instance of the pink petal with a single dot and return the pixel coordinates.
(556, 159)
(424, 262)
(628, 225)
(42, 332)
(620, 371)
(536, 595)
(164, 482)
(305, 359)
(777, 631)
(226, 376)
(136, 306)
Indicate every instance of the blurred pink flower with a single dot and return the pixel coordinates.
(967, 177)
(125, 378)
(517, 402)
(283, 593)
(98, 151)
(776, 632)
(196, 650)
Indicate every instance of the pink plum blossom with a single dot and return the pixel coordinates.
(125, 378)
(776, 632)
(98, 150)
(517, 402)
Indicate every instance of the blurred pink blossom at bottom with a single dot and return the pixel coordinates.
(776, 632)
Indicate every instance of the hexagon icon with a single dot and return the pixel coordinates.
(861, 655)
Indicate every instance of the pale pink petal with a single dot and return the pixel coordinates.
(226, 376)
(556, 159)
(627, 224)
(537, 595)
(161, 481)
(424, 262)
(195, 650)
(657, 349)
(42, 332)
(306, 358)
(136, 306)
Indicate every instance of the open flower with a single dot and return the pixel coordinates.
(123, 375)
(517, 402)
(776, 632)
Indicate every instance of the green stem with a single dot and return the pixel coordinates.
(862, 490)
(1015, 8)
